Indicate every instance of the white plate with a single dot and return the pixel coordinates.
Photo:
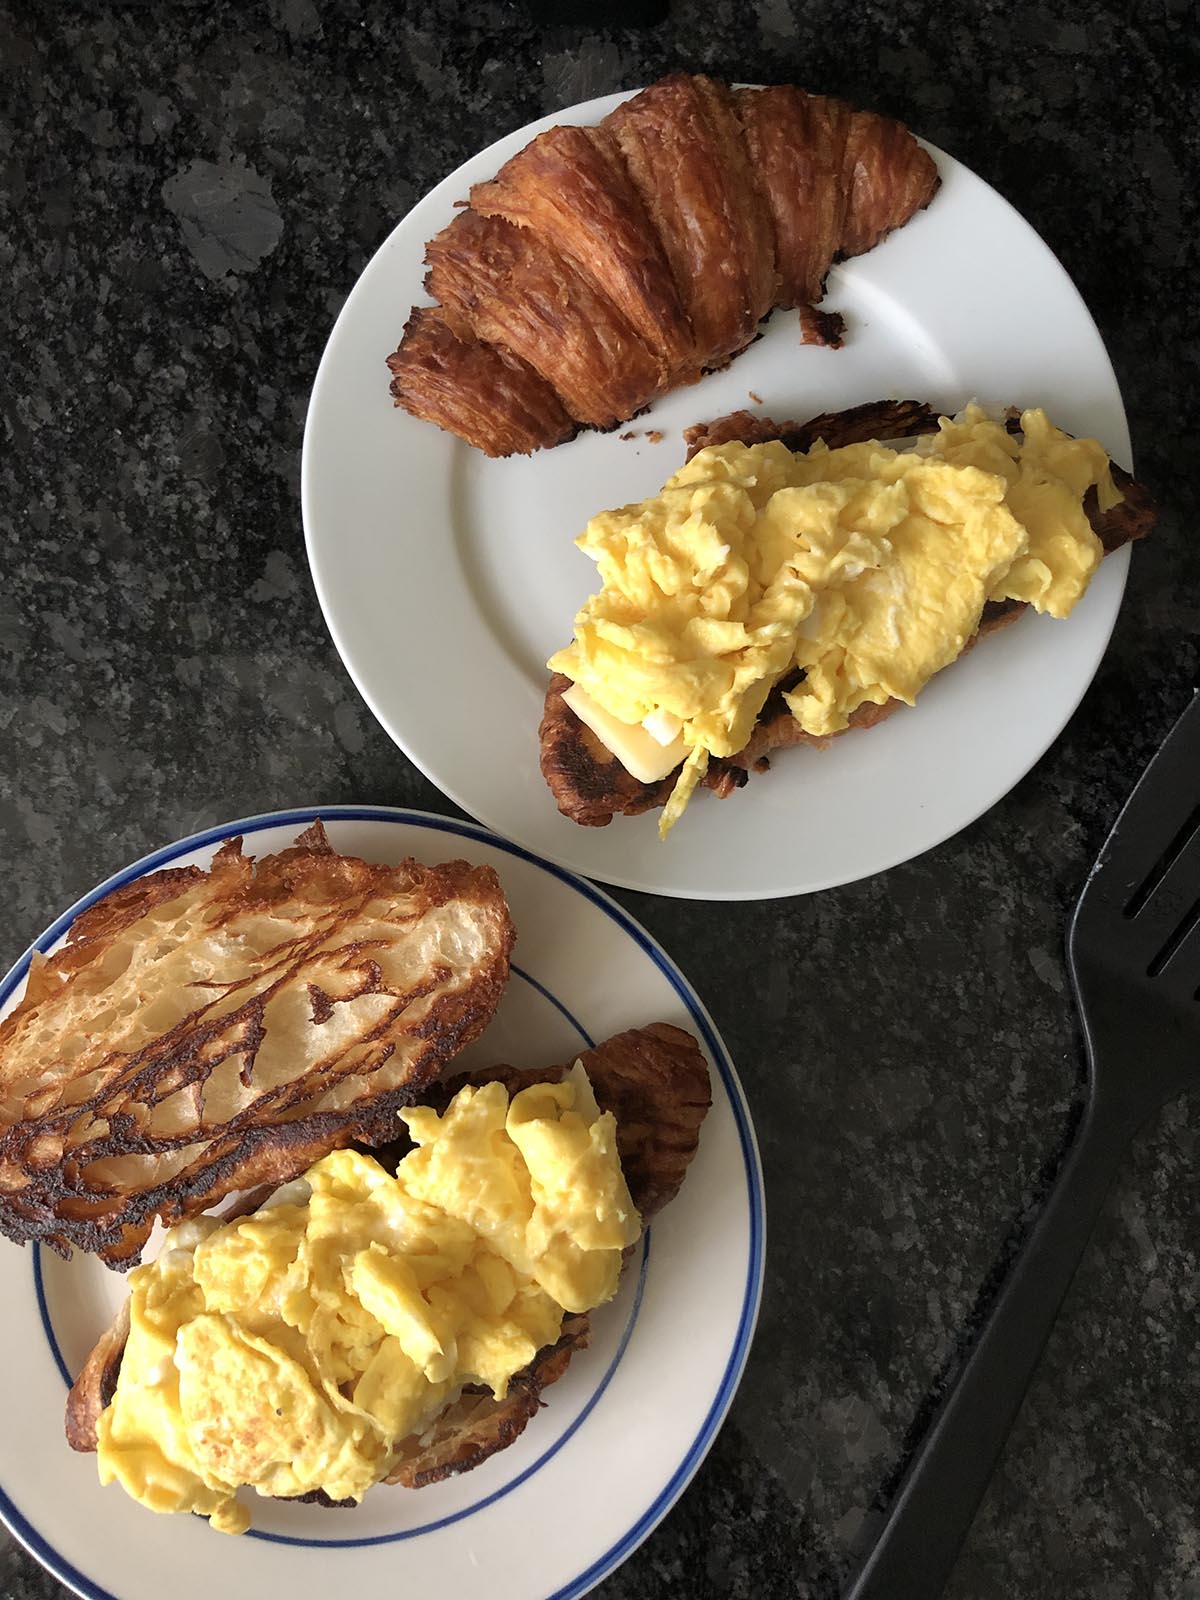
(447, 579)
(621, 1434)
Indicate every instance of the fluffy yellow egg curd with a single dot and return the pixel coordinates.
(867, 566)
(297, 1348)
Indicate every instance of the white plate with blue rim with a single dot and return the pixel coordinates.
(570, 1500)
(447, 580)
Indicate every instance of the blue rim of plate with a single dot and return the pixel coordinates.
(36, 1543)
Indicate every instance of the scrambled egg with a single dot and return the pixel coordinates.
(296, 1349)
(867, 567)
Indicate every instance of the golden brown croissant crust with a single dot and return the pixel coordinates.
(602, 267)
(587, 781)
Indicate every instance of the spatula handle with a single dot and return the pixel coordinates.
(943, 1485)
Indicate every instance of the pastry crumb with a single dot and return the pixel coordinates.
(654, 436)
(632, 434)
(757, 398)
(822, 327)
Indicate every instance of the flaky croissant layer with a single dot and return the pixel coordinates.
(604, 266)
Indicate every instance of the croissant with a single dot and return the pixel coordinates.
(602, 267)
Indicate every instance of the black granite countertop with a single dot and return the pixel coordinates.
(908, 1043)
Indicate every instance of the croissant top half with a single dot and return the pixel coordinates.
(603, 266)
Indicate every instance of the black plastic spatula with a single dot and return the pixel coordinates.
(1134, 955)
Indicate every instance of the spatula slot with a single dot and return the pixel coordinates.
(1189, 923)
(1162, 866)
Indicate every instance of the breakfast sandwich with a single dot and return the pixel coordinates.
(792, 581)
(204, 1032)
(376, 1323)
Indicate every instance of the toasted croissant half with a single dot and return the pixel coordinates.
(587, 781)
(655, 1082)
(602, 267)
(206, 1032)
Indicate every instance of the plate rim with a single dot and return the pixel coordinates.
(36, 1542)
(582, 112)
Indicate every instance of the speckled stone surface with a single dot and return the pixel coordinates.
(187, 193)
